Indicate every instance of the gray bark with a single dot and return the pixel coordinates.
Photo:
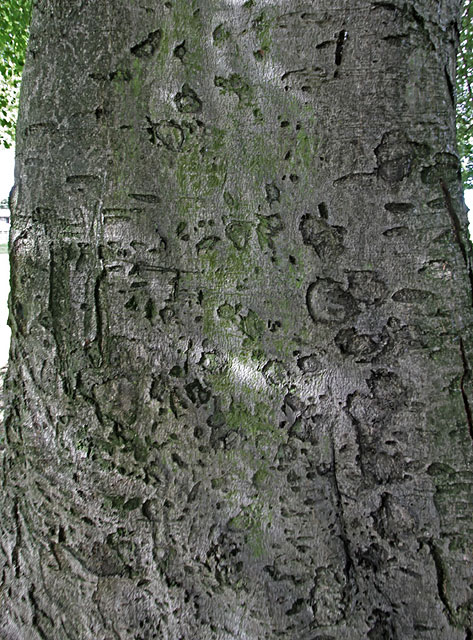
(239, 398)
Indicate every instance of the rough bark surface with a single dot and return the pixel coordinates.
(239, 393)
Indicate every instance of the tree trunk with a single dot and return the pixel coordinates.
(239, 395)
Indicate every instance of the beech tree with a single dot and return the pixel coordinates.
(239, 398)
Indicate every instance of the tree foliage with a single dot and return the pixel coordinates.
(465, 94)
(14, 27)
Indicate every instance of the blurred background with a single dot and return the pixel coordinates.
(7, 161)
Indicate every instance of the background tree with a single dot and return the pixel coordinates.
(15, 18)
(239, 395)
(465, 94)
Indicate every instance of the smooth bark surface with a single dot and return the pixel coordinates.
(239, 395)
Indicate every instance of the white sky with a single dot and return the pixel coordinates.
(7, 162)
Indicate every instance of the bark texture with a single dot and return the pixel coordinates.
(239, 394)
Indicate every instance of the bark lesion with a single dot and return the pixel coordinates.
(147, 47)
(18, 540)
(457, 231)
(341, 40)
(465, 377)
(442, 582)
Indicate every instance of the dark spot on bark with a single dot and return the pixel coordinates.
(366, 287)
(342, 38)
(229, 199)
(196, 393)
(273, 193)
(451, 89)
(150, 309)
(187, 100)
(361, 346)
(121, 75)
(267, 229)
(396, 232)
(389, 6)
(157, 389)
(176, 458)
(145, 197)
(399, 207)
(193, 492)
(220, 34)
(176, 371)
(328, 302)
(323, 210)
(238, 233)
(180, 51)
(252, 325)
(309, 364)
(382, 628)
(395, 155)
(446, 168)
(132, 504)
(411, 296)
(147, 47)
(296, 607)
(373, 557)
(235, 84)
(170, 134)
(464, 379)
(207, 244)
(326, 240)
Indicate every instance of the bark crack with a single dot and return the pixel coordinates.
(36, 610)
(348, 569)
(18, 540)
(52, 267)
(454, 220)
(441, 579)
(451, 89)
(98, 305)
(464, 378)
(342, 37)
(457, 231)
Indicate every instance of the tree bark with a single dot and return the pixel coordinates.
(239, 394)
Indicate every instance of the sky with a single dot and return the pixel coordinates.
(7, 160)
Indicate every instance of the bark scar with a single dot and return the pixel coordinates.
(98, 305)
(464, 378)
(348, 569)
(16, 548)
(37, 610)
(441, 579)
(450, 86)
(457, 231)
(342, 37)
